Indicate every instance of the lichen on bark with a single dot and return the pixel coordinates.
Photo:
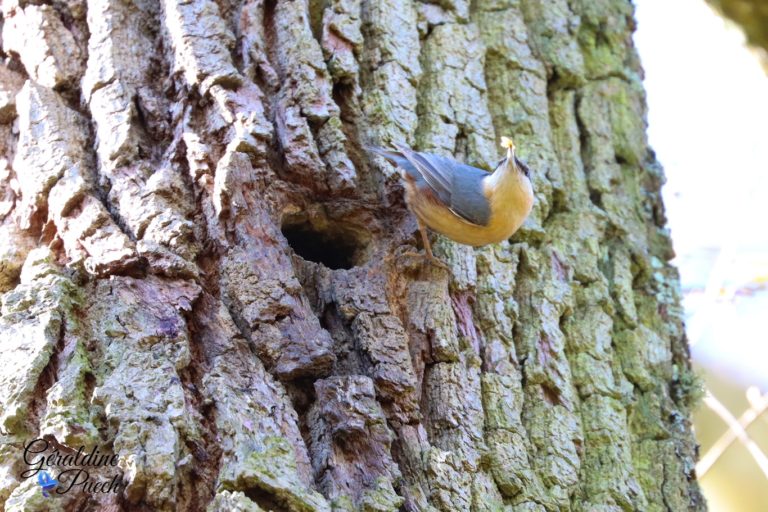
(205, 273)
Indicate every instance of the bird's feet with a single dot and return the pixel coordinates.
(429, 258)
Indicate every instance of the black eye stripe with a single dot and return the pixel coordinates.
(519, 163)
(523, 167)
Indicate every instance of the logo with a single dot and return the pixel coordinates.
(72, 471)
(46, 482)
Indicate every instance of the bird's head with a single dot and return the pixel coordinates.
(511, 162)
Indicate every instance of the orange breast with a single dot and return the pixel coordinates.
(508, 212)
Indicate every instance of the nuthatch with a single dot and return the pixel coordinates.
(464, 203)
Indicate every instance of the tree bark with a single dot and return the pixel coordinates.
(205, 274)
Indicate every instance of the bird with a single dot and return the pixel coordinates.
(468, 205)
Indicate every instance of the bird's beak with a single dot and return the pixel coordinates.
(506, 142)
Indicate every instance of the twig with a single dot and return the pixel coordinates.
(736, 430)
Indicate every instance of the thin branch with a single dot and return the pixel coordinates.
(736, 430)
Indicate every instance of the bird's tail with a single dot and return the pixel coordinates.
(394, 156)
(389, 154)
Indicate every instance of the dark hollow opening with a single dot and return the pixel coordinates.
(329, 243)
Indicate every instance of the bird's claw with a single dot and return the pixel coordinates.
(438, 263)
(430, 258)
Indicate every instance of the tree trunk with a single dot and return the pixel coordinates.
(206, 275)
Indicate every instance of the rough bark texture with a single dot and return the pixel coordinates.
(204, 272)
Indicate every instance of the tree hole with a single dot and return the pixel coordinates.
(328, 242)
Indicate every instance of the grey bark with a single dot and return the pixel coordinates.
(204, 273)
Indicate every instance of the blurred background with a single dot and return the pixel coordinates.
(708, 123)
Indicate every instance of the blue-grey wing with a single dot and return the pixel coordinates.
(467, 197)
(458, 186)
(440, 179)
